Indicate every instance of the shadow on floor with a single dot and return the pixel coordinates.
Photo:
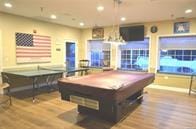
(91, 122)
(84, 121)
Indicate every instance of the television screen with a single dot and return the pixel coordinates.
(132, 33)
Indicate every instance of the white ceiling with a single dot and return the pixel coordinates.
(71, 12)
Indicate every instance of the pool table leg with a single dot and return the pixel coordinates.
(140, 97)
(140, 100)
(33, 89)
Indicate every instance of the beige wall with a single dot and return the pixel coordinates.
(0, 57)
(9, 24)
(165, 28)
(0, 51)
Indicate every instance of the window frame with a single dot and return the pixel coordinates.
(157, 66)
(149, 57)
(88, 53)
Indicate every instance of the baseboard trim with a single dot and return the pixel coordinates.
(152, 86)
(175, 89)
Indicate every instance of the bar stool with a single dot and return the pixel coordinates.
(84, 63)
(193, 78)
(5, 86)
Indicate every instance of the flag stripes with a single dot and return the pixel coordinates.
(31, 48)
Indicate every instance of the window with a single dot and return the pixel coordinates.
(99, 54)
(178, 54)
(135, 55)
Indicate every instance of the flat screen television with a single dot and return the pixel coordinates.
(132, 33)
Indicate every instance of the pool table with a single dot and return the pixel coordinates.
(109, 95)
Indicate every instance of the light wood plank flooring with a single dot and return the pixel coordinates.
(159, 110)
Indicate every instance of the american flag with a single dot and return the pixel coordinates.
(32, 48)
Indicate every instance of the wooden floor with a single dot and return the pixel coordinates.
(159, 110)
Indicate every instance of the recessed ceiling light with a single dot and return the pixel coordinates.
(8, 5)
(100, 8)
(81, 24)
(188, 11)
(53, 16)
(123, 19)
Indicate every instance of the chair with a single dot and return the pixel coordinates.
(5, 86)
(106, 63)
(106, 66)
(193, 78)
(84, 63)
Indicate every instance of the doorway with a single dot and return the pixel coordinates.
(70, 55)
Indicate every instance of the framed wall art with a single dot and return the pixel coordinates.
(98, 33)
(181, 27)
